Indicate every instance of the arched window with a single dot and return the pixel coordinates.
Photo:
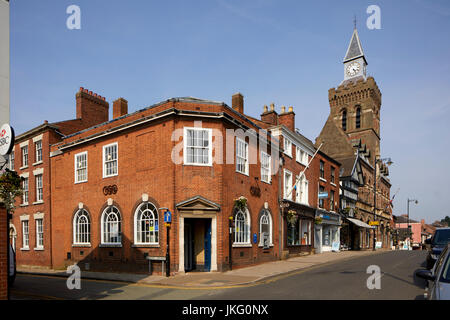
(265, 228)
(111, 226)
(146, 226)
(344, 120)
(81, 227)
(358, 118)
(242, 227)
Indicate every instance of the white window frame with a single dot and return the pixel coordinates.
(25, 158)
(38, 152)
(332, 200)
(301, 195)
(301, 156)
(185, 146)
(25, 195)
(242, 238)
(265, 214)
(242, 157)
(106, 212)
(285, 188)
(39, 233)
(116, 160)
(266, 165)
(141, 209)
(26, 234)
(80, 233)
(39, 187)
(79, 168)
(287, 146)
(11, 160)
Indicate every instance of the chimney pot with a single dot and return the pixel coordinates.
(266, 109)
(291, 109)
(283, 109)
(272, 106)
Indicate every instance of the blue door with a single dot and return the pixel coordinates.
(208, 245)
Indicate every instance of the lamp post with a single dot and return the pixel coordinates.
(407, 210)
(388, 162)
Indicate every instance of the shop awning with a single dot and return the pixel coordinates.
(359, 223)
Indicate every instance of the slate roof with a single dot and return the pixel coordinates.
(355, 49)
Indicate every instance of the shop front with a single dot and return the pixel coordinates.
(327, 231)
(299, 228)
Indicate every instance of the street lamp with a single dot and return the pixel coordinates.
(416, 202)
(388, 162)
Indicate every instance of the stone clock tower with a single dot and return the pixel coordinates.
(354, 109)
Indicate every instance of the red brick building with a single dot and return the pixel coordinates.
(3, 254)
(30, 230)
(109, 182)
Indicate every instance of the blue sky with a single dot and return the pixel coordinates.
(286, 52)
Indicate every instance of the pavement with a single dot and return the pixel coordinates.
(242, 276)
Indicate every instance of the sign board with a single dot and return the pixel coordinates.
(374, 223)
(6, 139)
(335, 246)
(265, 236)
(323, 195)
(167, 217)
(255, 238)
(378, 245)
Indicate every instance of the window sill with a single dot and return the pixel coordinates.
(39, 249)
(242, 245)
(81, 245)
(261, 245)
(111, 176)
(38, 163)
(333, 184)
(38, 202)
(322, 179)
(110, 245)
(269, 183)
(198, 164)
(23, 204)
(143, 245)
(78, 182)
(289, 155)
(22, 168)
(243, 173)
(24, 249)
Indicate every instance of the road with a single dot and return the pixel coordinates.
(340, 280)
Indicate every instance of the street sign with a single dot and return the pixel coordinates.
(323, 195)
(6, 139)
(167, 217)
(374, 223)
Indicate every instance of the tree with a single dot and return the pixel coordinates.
(10, 188)
(446, 220)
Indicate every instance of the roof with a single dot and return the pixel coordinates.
(403, 219)
(354, 49)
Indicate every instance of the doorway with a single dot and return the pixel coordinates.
(197, 244)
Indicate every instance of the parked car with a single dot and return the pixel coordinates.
(436, 244)
(12, 266)
(438, 277)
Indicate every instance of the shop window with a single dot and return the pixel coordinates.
(81, 227)
(111, 226)
(293, 230)
(242, 227)
(146, 224)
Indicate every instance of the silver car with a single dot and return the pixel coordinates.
(438, 277)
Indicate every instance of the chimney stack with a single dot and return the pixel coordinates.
(120, 108)
(92, 108)
(287, 118)
(270, 116)
(237, 101)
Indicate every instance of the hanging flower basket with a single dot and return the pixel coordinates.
(318, 220)
(291, 216)
(240, 203)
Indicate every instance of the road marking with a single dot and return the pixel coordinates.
(33, 295)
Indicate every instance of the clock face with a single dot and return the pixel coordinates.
(353, 69)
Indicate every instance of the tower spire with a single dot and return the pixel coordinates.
(354, 22)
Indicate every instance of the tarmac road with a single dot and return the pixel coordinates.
(339, 280)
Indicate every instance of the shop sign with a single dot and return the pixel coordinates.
(374, 223)
(323, 195)
(6, 139)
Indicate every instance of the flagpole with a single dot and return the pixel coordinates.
(303, 172)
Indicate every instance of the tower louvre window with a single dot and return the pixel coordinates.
(344, 120)
(358, 118)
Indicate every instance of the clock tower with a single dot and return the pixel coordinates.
(355, 62)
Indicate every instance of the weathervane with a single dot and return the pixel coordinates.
(354, 21)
